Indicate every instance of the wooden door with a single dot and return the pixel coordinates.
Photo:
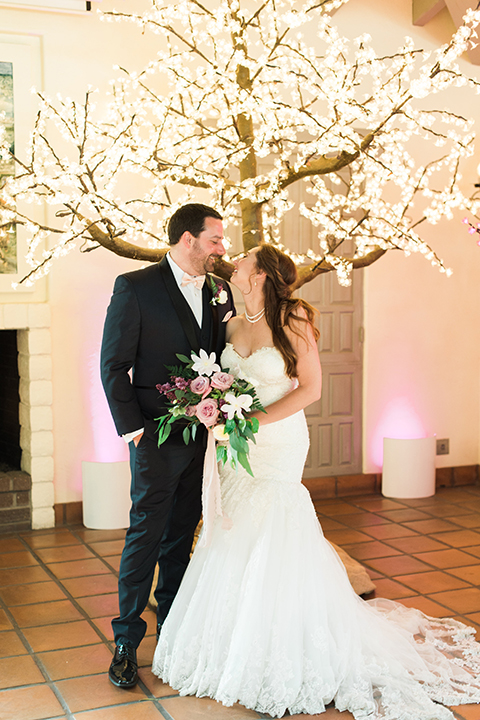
(335, 421)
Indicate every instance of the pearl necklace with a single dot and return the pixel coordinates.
(255, 318)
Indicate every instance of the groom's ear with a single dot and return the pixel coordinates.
(186, 239)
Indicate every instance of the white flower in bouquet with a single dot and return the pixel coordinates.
(205, 364)
(236, 405)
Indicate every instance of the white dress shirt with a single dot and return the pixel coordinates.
(193, 296)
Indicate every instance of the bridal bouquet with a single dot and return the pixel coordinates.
(201, 393)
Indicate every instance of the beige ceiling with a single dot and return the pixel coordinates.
(424, 10)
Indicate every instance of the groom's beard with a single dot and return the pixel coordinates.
(209, 264)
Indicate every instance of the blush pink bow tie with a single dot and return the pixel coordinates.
(197, 280)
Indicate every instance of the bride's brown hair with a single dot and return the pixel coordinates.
(280, 308)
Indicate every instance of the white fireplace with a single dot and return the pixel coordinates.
(32, 322)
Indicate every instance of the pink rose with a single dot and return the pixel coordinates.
(222, 380)
(190, 410)
(207, 412)
(200, 385)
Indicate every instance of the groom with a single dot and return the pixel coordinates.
(155, 313)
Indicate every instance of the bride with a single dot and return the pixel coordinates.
(265, 615)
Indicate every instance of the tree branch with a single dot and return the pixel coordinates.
(324, 165)
(309, 273)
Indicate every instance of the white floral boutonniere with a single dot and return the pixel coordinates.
(220, 295)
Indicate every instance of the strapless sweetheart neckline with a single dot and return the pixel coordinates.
(247, 357)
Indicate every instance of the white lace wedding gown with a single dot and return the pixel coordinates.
(266, 616)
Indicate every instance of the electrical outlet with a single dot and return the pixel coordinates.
(443, 447)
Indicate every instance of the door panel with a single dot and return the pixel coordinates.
(335, 422)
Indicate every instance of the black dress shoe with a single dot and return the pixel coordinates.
(123, 669)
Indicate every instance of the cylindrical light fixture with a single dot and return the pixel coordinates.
(106, 495)
(408, 467)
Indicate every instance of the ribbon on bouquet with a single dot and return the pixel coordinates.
(211, 495)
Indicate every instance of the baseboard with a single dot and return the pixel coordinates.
(371, 483)
(320, 488)
(68, 513)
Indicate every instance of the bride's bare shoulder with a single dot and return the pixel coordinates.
(233, 325)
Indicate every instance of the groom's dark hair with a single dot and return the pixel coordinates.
(189, 218)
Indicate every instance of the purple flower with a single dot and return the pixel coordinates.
(181, 383)
(165, 388)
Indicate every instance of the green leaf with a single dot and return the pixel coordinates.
(249, 433)
(194, 431)
(186, 435)
(254, 423)
(162, 420)
(234, 441)
(238, 443)
(234, 457)
(163, 428)
(184, 358)
(243, 460)
(165, 432)
(230, 426)
(222, 455)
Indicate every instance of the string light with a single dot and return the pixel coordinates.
(250, 110)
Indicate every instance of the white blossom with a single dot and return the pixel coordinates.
(236, 405)
(204, 364)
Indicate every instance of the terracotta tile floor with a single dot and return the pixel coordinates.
(58, 594)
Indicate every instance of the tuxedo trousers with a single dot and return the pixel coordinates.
(166, 508)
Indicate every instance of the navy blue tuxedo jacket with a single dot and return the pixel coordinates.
(148, 322)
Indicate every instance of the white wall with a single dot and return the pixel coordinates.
(78, 50)
(421, 327)
(422, 344)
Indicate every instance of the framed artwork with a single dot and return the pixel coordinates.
(8, 236)
(20, 71)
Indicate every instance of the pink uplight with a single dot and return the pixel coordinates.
(399, 421)
(108, 446)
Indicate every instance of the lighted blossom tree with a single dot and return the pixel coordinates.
(237, 107)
